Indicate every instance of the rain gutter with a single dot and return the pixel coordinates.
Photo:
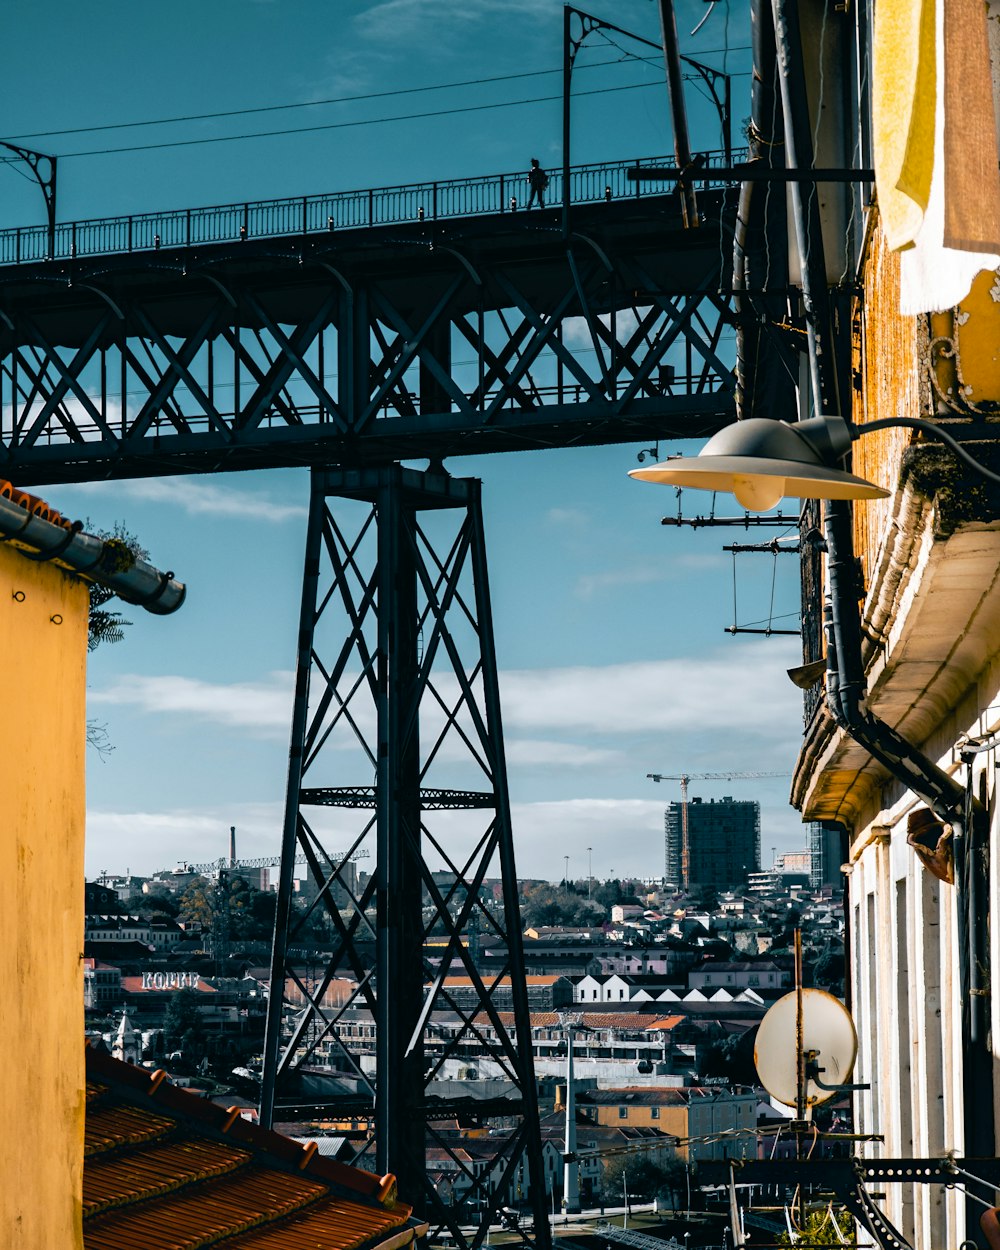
(96, 559)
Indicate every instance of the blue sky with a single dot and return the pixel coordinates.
(610, 628)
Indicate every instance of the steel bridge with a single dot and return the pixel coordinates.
(348, 333)
(146, 353)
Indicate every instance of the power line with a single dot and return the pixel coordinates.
(346, 99)
(305, 104)
(374, 121)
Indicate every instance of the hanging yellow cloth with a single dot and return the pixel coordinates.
(960, 233)
(904, 90)
(971, 169)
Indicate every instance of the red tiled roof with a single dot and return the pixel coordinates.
(629, 1021)
(134, 985)
(505, 981)
(165, 1168)
(665, 1022)
(34, 505)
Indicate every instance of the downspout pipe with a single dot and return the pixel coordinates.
(846, 686)
(845, 671)
(96, 559)
(845, 679)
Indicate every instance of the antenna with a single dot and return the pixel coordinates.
(829, 1045)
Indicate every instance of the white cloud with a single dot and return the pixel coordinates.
(198, 498)
(435, 20)
(742, 689)
(569, 518)
(615, 837)
(591, 584)
(261, 705)
(739, 693)
(525, 753)
(577, 335)
(145, 842)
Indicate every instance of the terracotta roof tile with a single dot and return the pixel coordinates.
(167, 1170)
(111, 1127)
(157, 1170)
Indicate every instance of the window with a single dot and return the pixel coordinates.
(654, 1113)
(623, 1113)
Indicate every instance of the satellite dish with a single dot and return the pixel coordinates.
(827, 1030)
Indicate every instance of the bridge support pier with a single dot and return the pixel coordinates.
(396, 694)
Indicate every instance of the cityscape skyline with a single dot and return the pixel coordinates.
(610, 630)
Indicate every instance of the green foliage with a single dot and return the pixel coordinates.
(644, 1178)
(194, 905)
(608, 893)
(731, 1057)
(567, 903)
(545, 904)
(820, 1230)
(703, 898)
(826, 970)
(182, 1024)
(250, 911)
(121, 550)
(159, 902)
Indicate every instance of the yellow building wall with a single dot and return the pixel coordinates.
(43, 650)
(888, 365)
(673, 1120)
(915, 366)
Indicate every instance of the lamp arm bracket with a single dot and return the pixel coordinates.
(932, 431)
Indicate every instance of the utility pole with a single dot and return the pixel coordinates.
(675, 94)
(571, 1166)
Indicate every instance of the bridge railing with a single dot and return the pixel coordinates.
(340, 210)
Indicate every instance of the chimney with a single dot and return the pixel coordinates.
(232, 846)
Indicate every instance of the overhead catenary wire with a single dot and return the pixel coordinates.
(194, 117)
(343, 99)
(347, 125)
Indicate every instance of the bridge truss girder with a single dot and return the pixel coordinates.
(396, 684)
(344, 351)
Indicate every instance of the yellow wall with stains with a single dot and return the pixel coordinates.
(921, 366)
(43, 652)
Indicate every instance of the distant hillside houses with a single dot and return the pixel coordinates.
(710, 980)
(160, 935)
(709, 1122)
(751, 974)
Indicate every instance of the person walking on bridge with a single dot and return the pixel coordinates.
(538, 180)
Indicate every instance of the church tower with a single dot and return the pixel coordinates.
(128, 1043)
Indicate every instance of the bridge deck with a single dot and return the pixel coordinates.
(456, 334)
(301, 216)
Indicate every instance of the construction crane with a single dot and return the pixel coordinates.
(222, 865)
(684, 778)
(269, 861)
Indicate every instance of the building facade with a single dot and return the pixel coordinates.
(723, 838)
(902, 735)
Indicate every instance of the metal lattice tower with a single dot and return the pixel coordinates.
(348, 333)
(397, 744)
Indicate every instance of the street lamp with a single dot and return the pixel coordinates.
(761, 461)
(570, 1024)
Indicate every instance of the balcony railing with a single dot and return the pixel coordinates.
(309, 215)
